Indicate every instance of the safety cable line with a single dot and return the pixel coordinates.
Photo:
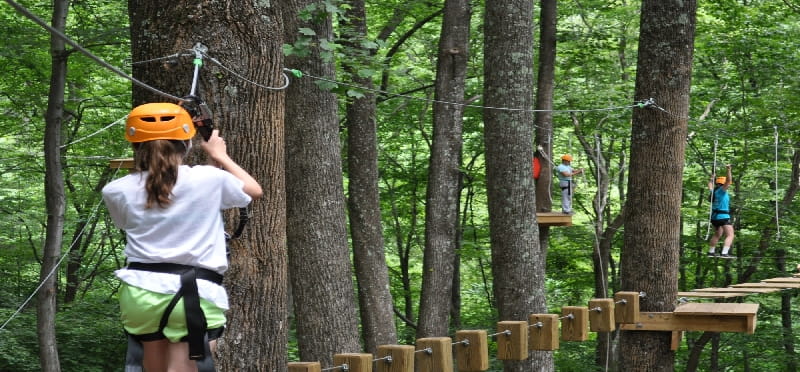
(240, 76)
(95, 133)
(640, 104)
(83, 50)
(777, 205)
(60, 260)
(713, 177)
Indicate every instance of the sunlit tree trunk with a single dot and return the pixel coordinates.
(649, 260)
(441, 207)
(319, 256)
(366, 229)
(246, 38)
(518, 263)
(54, 196)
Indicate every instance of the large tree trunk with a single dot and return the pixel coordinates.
(442, 233)
(543, 120)
(517, 260)
(649, 260)
(250, 118)
(54, 200)
(372, 274)
(319, 257)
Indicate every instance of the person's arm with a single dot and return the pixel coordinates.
(729, 178)
(218, 152)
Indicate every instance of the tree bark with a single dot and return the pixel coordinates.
(442, 232)
(54, 196)
(517, 260)
(319, 256)
(649, 260)
(245, 37)
(366, 229)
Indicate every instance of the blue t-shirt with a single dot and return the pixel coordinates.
(563, 168)
(720, 206)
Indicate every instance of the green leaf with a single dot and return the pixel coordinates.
(307, 31)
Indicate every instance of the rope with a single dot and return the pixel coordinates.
(96, 132)
(777, 197)
(640, 104)
(713, 177)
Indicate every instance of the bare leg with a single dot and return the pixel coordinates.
(179, 358)
(712, 244)
(155, 355)
(728, 231)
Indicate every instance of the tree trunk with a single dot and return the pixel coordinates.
(545, 85)
(250, 118)
(375, 300)
(517, 260)
(543, 122)
(54, 196)
(319, 256)
(649, 260)
(442, 233)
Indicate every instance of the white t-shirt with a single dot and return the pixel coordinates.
(189, 231)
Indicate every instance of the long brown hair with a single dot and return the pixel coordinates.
(161, 159)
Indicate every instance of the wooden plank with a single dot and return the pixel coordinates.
(713, 294)
(716, 309)
(738, 289)
(121, 163)
(553, 219)
(649, 321)
(767, 285)
(793, 279)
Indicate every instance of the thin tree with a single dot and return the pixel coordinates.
(517, 260)
(54, 195)
(649, 260)
(319, 256)
(442, 233)
(245, 49)
(366, 228)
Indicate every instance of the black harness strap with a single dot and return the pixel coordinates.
(195, 319)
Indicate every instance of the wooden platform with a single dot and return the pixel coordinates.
(713, 294)
(126, 163)
(553, 219)
(708, 317)
(776, 285)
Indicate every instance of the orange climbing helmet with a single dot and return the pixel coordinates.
(154, 121)
(566, 157)
(720, 180)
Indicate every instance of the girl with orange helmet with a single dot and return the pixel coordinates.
(720, 215)
(170, 213)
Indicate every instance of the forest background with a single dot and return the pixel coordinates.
(743, 112)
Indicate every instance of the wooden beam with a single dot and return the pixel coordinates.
(708, 317)
(713, 294)
(775, 286)
(121, 163)
(553, 219)
(738, 289)
(793, 279)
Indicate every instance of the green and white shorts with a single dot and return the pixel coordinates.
(141, 312)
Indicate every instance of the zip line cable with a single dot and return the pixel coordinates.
(83, 50)
(777, 205)
(118, 121)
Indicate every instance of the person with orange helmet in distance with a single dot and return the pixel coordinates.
(565, 172)
(721, 214)
(171, 299)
